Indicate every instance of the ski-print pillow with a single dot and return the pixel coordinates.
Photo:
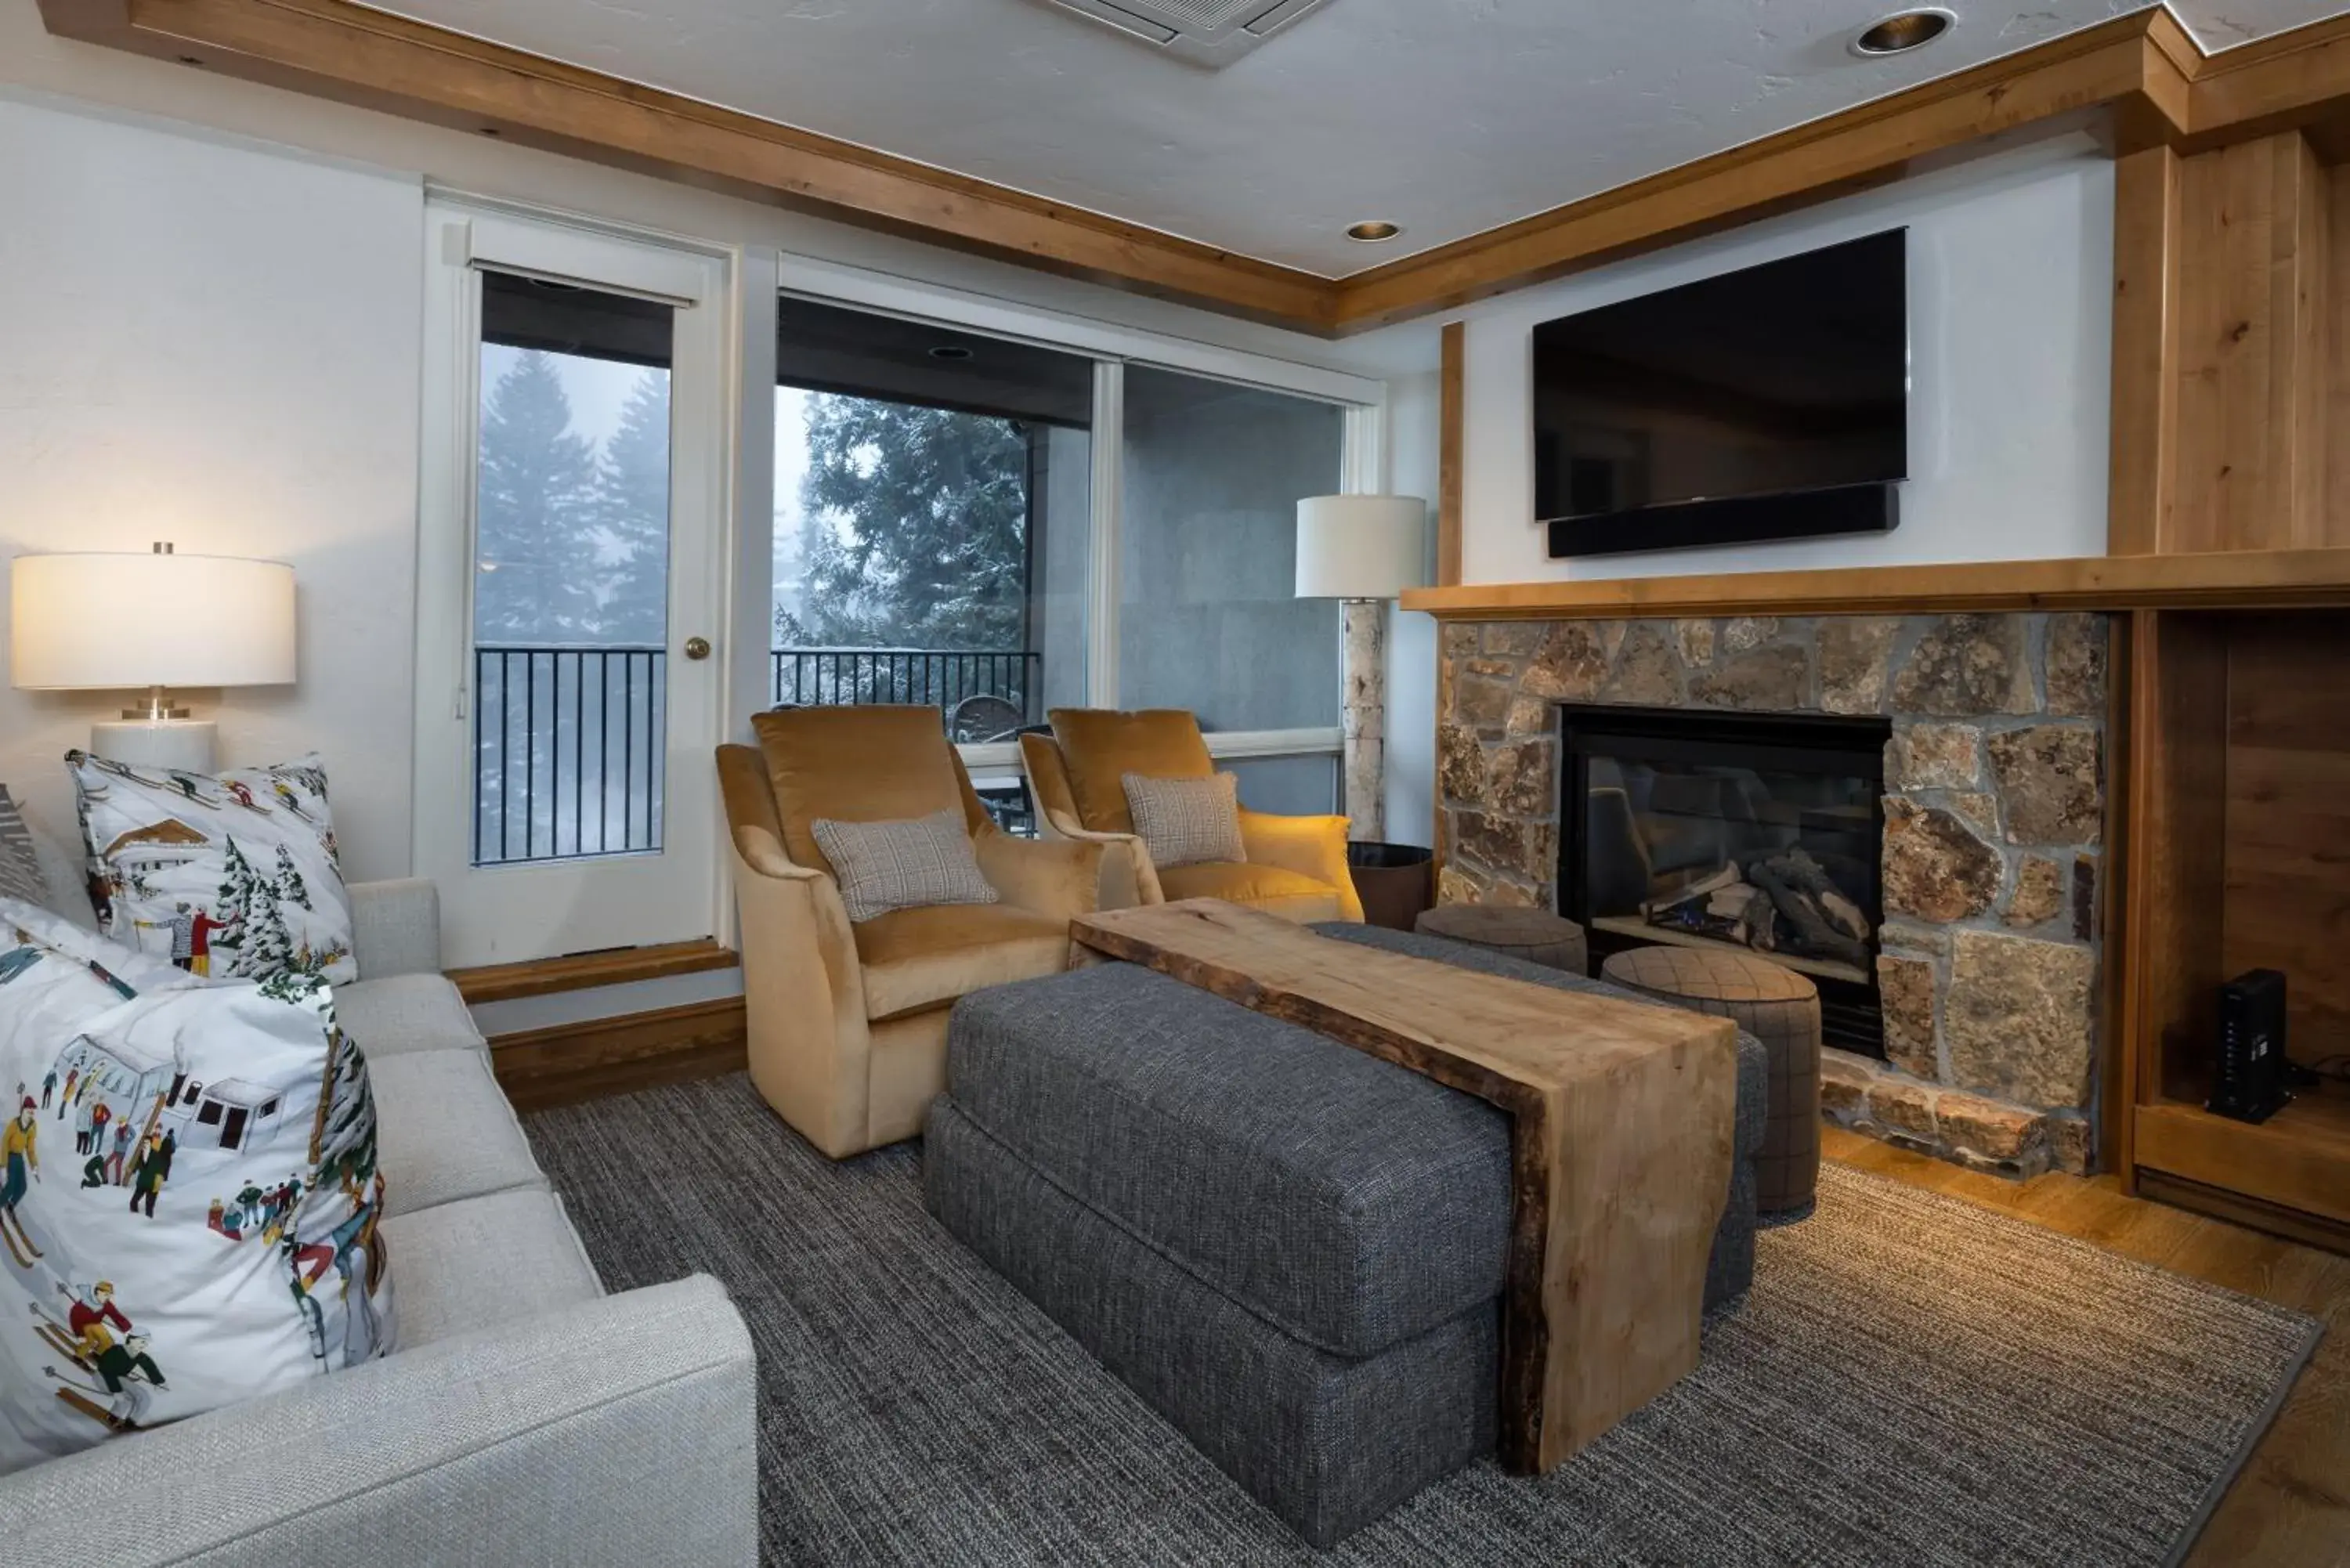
(188, 1191)
(232, 876)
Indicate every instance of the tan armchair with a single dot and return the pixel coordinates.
(849, 1022)
(1297, 866)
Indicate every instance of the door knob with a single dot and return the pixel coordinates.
(697, 648)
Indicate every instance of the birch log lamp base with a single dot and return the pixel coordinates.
(1363, 551)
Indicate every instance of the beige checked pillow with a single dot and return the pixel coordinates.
(904, 865)
(1183, 822)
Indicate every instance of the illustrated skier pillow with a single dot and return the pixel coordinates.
(188, 1191)
(230, 877)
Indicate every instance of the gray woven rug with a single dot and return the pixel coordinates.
(1912, 1381)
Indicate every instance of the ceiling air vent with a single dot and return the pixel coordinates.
(1204, 32)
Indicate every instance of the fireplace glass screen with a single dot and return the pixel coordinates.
(1746, 831)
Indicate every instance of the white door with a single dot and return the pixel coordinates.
(571, 588)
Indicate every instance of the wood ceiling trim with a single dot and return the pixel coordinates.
(2145, 69)
(2098, 66)
(346, 52)
(2286, 81)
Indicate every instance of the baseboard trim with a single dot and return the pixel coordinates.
(2240, 1208)
(571, 1063)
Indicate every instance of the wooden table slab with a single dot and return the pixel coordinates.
(1620, 1147)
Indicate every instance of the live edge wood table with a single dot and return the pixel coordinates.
(1620, 1145)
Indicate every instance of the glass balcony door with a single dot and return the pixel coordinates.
(572, 602)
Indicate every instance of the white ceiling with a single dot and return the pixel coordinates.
(1446, 116)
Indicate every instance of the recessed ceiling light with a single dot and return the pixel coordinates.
(950, 351)
(1902, 32)
(1372, 232)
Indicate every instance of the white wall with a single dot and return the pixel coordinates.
(181, 359)
(210, 331)
(2010, 270)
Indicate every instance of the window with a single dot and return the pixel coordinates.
(1208, 616)
(932, 495)
(1156, 572)
(571, 575)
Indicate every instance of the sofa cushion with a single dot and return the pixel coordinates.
(447, 1131)
(22, 875)
(1101, 746)
(883, 866)
(1187, 822)
(233, 875)
(1377, 1202)
(515, 1249)
(1292, 894)
(405, 1014)
(915, 959)
(189, 1199)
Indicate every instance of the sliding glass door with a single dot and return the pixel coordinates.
(996, 527)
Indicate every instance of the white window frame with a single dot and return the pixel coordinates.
(1112, 348)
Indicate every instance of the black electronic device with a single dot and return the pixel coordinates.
(2249, 1076)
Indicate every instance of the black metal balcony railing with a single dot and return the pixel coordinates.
(567, 752)
(985, 694)
(568, 742)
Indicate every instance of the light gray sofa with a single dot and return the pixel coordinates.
(524, 1417)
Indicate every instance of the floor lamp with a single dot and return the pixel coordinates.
(1363, 551)
(113, 623)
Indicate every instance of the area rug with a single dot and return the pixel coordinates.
(1912, 1380)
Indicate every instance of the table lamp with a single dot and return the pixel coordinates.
(108, 623)
(1363, 550)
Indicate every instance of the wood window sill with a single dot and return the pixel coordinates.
(586, 972)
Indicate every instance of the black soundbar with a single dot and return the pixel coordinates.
(1742, 520)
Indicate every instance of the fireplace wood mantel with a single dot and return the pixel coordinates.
(2220, 579)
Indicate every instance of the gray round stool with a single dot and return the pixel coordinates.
(1536, 936)
(1781, 1009)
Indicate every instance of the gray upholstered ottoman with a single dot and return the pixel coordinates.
(1293, 1250)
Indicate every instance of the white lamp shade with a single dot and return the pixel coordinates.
(1361, 546)
(89, 622)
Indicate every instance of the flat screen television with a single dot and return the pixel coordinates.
(1767, 403)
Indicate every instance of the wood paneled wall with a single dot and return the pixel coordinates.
(2224, 340)
(2287, 903)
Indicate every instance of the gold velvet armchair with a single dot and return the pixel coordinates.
(1297, 866)
(848, 1022)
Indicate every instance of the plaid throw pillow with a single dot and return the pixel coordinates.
(20, 867)
(1183, 822)
(886, 866)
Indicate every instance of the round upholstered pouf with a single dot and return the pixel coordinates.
(1535, 935)
(1781, 1009)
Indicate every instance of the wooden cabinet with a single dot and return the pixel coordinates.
(2236, 822)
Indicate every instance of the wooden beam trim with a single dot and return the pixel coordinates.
(2097, 67)
(2215, 579)
(1451, 462)
(2145, 68)
(2144, 403)
(337, 49)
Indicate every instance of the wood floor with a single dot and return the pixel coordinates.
(2291, 1506)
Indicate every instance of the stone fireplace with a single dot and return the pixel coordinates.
(1988, 826)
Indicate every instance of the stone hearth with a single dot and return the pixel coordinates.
(1994, 823)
